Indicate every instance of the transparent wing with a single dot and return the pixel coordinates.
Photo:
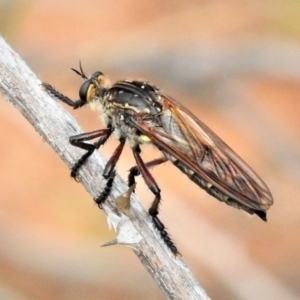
(187, 139)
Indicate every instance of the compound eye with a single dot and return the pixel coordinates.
(97, 75)
(84, 91)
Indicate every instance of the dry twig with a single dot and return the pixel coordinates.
(23, 90)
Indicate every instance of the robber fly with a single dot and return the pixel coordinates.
(137, 112)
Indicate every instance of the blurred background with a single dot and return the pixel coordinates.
(236, 65)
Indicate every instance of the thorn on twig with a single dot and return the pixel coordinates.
(127, 234)
(123, 201)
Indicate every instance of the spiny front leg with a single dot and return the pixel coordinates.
(52, 91)
(153, 210)
(79, 141)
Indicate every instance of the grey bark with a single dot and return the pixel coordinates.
(23, 90)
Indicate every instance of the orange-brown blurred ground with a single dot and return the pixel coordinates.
(236, 65)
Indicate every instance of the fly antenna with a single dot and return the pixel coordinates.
(81, 72)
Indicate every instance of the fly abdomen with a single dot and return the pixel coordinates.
(200, 181)
(190, 173)
(214, 191)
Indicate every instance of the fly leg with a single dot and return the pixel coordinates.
(79, 141)
(52, 91)
(153, 210)
(109, 173)
(135, 171)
